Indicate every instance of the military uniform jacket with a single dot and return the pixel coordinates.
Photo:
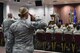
(21, 36)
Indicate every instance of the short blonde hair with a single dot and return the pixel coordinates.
(23, 10)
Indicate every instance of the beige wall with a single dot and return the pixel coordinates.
(65, 14)
(78, 12)
(64, 11)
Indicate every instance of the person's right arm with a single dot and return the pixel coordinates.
(39, 24)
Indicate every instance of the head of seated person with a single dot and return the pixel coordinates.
(78, 27)
(59, 25)
(68, 28)
(66, 24)
(74, 25)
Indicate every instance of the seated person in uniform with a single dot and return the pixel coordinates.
(59, 29)
(63, 26)
(74, 26)
(71, 25)
(49, 30)
(40, 30)
(77, 30)
(68, 30)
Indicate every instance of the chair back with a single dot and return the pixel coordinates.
(48, 37)
(68, 38)
(77, 39)
(40, 37)
(58, 37)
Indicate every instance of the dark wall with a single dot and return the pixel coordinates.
(1, 13)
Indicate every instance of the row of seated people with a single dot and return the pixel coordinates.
(65, 28)
(62, 34)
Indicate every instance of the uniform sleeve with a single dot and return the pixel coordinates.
(10, 42)
(39, 24)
